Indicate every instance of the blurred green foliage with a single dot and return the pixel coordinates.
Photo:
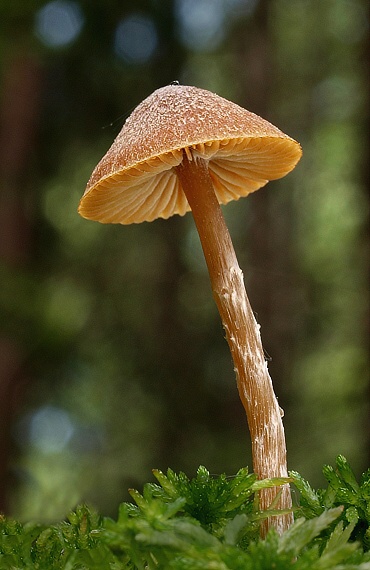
(112, 357)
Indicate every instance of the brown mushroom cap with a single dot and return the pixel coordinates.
(136, 180)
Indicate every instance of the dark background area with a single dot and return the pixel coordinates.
(112, 356)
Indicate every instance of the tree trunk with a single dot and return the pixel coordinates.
(18, 122)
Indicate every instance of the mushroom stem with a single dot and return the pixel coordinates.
(243, 336)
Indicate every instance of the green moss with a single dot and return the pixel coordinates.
(203, 523)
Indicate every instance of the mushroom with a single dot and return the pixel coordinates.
(185, 148)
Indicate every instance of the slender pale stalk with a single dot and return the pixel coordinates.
(243, 336)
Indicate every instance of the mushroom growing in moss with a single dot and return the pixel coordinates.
(185, 148)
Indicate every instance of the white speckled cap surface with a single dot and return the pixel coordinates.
(136, 180)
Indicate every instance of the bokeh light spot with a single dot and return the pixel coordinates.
(136, 39)
(337, 98)
(201, 23)
(58, 23)
(50, 429)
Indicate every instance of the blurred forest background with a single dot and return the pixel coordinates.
(112, 356)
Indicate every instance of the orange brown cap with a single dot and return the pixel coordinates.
(136, 180)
